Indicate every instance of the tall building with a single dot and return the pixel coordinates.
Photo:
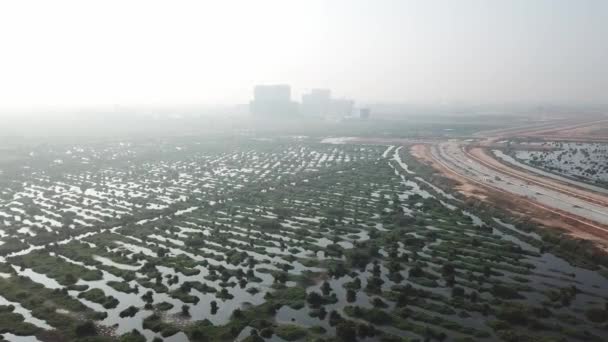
(364, 113)
(272, 101)
(341, 107)
(316, 103)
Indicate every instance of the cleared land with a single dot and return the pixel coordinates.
(583, 208)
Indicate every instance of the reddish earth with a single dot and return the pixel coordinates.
(592, 131)
(520, 206)
(482, 156)
(423, 153)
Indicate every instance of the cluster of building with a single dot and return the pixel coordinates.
(275, 101)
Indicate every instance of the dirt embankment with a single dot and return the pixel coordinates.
(590, 131)
(422, 152)
(549, 217)
(482, 156)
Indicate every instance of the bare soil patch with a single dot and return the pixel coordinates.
(575, 226)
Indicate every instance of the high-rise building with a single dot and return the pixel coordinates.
(364, 113)
(316, 103)
(273, 101)
(341, 107)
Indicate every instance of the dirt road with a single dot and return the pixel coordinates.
(583, 214)
(481, 156)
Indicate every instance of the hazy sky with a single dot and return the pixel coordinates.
(213, 52)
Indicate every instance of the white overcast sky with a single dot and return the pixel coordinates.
(213, 52)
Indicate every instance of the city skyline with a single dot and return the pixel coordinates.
(157, 53)
(276, 101)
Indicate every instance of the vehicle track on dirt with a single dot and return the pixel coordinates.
(603, 230)
(579, 193)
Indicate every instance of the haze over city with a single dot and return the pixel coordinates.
(304, 171)
(75, 53)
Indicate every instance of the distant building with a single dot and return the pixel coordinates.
(266, 93)
(364, 113)
(273, 101)
(316, 103)
(341, 107)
